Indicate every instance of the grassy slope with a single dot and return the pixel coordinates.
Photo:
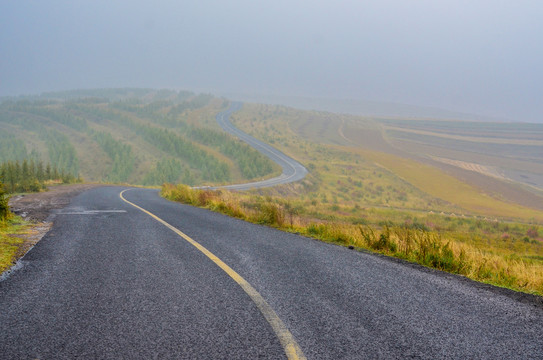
(354, 185)
(311, 127)
(95, 164)
(440, 185)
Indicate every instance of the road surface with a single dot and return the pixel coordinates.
(111, 281)
(292, 170)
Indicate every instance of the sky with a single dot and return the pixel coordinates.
(475, 56)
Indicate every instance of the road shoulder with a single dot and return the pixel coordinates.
(37, 210)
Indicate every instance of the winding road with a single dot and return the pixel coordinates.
(126, 274)
(135, 276)
(292, 169)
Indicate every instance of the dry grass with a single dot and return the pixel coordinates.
(476, 139)
(314, 137)
(440, 185)
(10, 241)
(413, 242)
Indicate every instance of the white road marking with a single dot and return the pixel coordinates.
(91, 212)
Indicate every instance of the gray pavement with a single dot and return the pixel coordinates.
(111, 284)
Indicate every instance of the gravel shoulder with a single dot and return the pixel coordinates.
(37, 208)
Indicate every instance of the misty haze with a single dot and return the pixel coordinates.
(476, 57)
(167, 167)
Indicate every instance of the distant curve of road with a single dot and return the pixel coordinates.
(292, 169)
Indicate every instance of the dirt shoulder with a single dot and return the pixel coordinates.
(37, 208)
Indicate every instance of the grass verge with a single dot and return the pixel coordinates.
(480, 260)
(11, 240)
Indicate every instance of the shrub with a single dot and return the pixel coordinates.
(4, 206)
(270, 214)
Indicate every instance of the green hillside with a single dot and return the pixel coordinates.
(135, 136)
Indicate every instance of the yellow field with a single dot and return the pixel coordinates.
(316, 137)
(438, 184)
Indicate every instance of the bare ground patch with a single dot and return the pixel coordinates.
(37, 207)
(482, 169)
(485, 178)
(499, 188)
(371, 139)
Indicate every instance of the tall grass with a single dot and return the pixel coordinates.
(413, 243)
(10, 242)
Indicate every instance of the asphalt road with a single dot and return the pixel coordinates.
(292, 170)
(110, 281)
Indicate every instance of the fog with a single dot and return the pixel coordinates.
(480, 57)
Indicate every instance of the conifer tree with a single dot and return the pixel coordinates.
(4, 207)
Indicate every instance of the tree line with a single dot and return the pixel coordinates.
(169, 171)
(62, 153)
(4, 204)
(211, 168)
(121, 154)
(252, 164)
(31, 175)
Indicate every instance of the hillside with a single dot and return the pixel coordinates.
(470, 192)
(483, 169)
(447, 200)
(134, 136)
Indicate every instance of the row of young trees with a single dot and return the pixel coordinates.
(62, 153)
(31, 176)
(158, 122)
(121, 154)
(169, 171)
(59, 113)
(211, 168)
(197, 102)
(12, 148)
(252, 164)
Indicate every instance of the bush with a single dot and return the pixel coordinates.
(270, 214)
(4, 206)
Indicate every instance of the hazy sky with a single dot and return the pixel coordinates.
(474, 56)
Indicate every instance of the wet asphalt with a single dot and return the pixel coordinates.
(110, 282)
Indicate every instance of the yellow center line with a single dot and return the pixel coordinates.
(292, 349)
